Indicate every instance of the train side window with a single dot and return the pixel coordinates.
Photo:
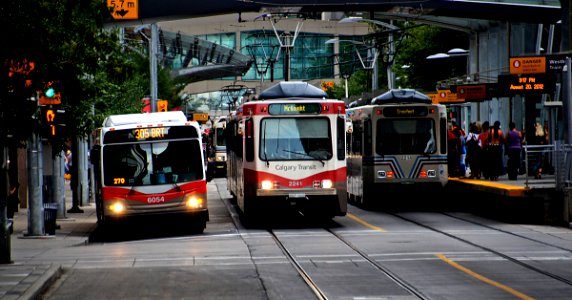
(357, 138)
(443, 135)
(367, 145)
(249, 139)
(341, 135)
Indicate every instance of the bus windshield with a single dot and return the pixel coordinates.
(405, 136)
(151, 163)
(295, 139)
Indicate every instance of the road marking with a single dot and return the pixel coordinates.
(364, 223)
(483, 278)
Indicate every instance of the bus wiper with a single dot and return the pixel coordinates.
(307, 155)
(177, 187)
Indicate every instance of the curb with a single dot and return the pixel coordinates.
(42, 284)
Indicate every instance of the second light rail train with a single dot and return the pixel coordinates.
(398, 143)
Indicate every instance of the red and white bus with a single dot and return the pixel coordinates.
(150, 164)
(288, 148)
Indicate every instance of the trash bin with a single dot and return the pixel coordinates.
(50, 215)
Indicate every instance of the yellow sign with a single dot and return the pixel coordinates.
(162, 105)
(528, 65)
(200, 117)
(445, 96)
(124, 9)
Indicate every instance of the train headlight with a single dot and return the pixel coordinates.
(194, 202)
(431, 173)
(221, 158)
(117, 207)
(327, 184)
(266, 185)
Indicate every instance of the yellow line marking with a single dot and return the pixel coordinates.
(364, 223)
(483, 278)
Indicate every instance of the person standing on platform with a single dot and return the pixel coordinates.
(514, 148)
(472, 145)
(483, 154)
(495, 150)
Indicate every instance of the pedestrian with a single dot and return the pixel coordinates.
(495, 150)
(472, 145)
(453, 152)
(514, 148)
(539, 139)
(483, 151)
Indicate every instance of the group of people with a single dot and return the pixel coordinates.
(482, 151)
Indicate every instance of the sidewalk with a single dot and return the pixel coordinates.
(25, 278)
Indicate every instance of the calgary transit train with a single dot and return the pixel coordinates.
(288, 148)
(398, 142)
(150, 164)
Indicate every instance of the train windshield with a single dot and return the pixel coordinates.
(405, 136)
(140, 164)
(295, 139)
(219, 137)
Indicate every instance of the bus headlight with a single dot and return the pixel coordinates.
(266, 185)
(194, 202)
(117, 207)
(327, 184)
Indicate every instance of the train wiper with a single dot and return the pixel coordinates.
(307, 155)
(264, 145)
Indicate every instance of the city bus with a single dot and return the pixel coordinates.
(149, 164)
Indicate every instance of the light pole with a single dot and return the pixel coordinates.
(392, 28)
(368, 64)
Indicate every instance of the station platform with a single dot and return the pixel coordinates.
(525, 200)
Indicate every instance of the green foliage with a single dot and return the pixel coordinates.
(420, 42)
(68, 46)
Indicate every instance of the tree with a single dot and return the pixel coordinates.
(420, 42)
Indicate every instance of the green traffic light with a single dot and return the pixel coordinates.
(50, 92)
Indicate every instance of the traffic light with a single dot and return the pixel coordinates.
(162, 105)
(50, 95)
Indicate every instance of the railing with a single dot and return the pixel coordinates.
(540, 157)
(554, 159)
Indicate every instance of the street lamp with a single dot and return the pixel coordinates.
(369, 63)
(391, 27)
(454, 53)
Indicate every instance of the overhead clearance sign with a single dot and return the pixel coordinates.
(124, 9)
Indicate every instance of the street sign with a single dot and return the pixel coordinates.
(528, 65)
(472, 92)
(445, 97)
(124, 9)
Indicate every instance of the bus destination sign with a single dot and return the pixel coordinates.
(148, 134)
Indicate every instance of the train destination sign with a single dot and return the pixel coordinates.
(410, 111)
(294, 109)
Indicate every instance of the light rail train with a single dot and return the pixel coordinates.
(398, 143)
(288, 148)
